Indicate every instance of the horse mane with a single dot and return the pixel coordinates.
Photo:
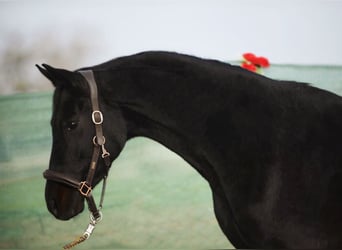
(177, 63)
(159, 59)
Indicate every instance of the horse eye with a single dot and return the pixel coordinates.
(71, 125)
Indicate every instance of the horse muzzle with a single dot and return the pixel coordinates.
(62, 201)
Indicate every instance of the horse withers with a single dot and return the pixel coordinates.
(270, 150)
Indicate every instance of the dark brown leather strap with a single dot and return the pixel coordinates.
(92, 206)
(99, 140)
(97, 116)
(93, 165)
(61, 178)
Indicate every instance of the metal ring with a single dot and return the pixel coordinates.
(95, 143)
(94, 119)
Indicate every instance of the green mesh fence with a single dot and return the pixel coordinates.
(154, 199)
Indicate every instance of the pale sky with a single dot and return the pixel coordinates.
(291, 31)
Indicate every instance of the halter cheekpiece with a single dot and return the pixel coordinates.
(85, 187)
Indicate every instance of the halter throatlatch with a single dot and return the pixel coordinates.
(85, 187)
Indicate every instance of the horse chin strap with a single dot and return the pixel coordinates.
(85, 187)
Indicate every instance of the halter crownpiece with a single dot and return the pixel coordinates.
(85, 187)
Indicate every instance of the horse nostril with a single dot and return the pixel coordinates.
(52, 205)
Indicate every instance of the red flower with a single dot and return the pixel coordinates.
(262, 62)
(254, 63)
(250, 57)
(249, 66)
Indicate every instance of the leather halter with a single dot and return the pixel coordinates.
(85, 187)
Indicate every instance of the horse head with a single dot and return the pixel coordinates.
(74, 140)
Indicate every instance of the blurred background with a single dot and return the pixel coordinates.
(154, 199)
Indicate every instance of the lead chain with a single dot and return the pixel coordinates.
(86, 234)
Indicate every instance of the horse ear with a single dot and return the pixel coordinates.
(44, 72)
(63, 77)
(56, 76)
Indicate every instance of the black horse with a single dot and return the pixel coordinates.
(270, 150)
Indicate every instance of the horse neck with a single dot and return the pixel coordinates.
(168, 107)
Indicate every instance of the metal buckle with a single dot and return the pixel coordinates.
(84, 188)
(94, 118)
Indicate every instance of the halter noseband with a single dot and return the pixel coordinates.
(85, 187)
